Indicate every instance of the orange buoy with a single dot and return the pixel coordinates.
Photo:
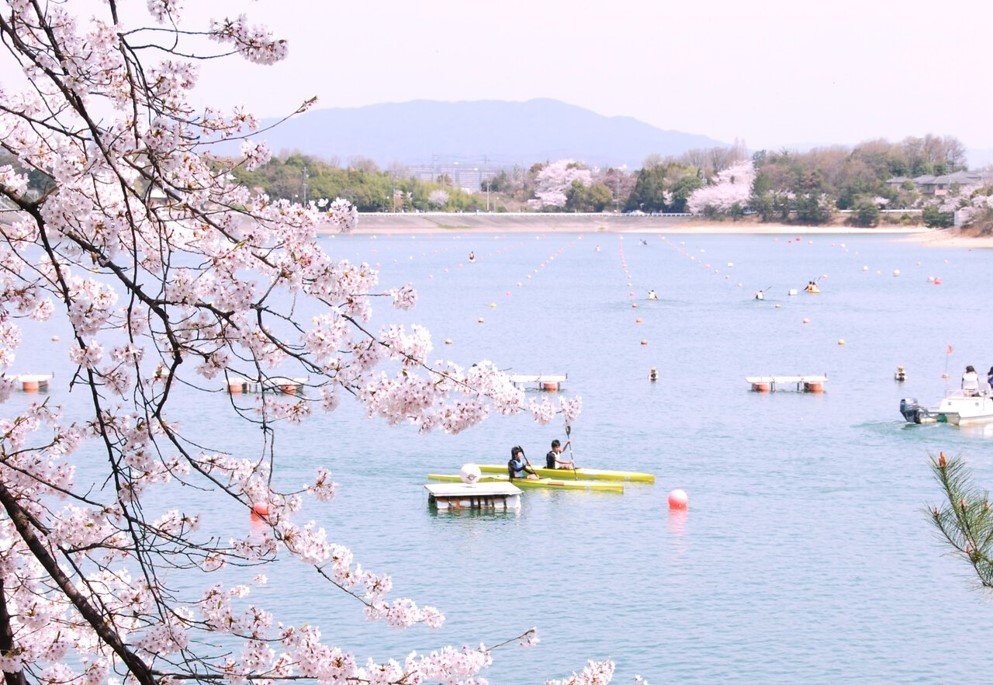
(678, 499)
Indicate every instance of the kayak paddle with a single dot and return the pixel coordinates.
(568, 433)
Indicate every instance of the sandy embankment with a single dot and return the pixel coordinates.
(436, 222)
(952, 237)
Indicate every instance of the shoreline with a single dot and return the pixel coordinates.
(468, 224)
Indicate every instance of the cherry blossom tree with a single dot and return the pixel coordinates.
(554, 180)
(730, 189)
(171, 277)
(438, 198)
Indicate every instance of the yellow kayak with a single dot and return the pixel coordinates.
(550, 483)
(583, 474)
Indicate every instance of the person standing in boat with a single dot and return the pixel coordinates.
(989, 381)
(517, 466)
(970, 382)
(555, 460)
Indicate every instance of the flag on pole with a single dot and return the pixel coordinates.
(949, 349)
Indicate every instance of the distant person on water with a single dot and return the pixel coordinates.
(472, 256)
(517, 467)
(970, 382)
(555, 460)
(989, 380)
(652, 295)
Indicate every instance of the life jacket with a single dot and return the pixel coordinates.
(550, 460)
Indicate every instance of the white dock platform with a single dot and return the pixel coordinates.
(547, 382)
(814, 384)
(478, 496)
(283, 384)
(32, 382)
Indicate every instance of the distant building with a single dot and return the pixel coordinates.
(939, 186)
(465, 175)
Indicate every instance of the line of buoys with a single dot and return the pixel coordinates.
(630, 283)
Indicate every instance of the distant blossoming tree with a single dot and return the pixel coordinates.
(728, 193)
(554, 180)
(438, 198)
(170, 276)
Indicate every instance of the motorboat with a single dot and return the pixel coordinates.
(958, 410)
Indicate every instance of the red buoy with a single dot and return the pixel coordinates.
(678, 499)
(260, 512)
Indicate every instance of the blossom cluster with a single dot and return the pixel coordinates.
(594, 673)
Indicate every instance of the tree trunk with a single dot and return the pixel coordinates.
(7, 640)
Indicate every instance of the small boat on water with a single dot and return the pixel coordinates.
(548, 483)
(584, 474)
(958, 410)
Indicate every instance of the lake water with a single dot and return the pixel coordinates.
(806, 554)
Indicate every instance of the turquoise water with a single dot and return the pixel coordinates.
(806, 554)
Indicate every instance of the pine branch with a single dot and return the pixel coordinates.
(965, 519)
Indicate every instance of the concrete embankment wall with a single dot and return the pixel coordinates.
(508, 221)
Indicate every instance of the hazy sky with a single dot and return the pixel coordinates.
(770, 72)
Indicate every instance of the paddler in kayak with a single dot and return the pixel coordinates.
(517, 466)
(555, 460)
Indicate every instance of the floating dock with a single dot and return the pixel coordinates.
(814, 384)
(32, 382)
(499, 496)
(283, 384)
(548, 383)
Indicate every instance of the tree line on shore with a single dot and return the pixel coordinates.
(721, 183)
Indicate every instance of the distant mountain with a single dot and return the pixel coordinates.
(502, 133)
